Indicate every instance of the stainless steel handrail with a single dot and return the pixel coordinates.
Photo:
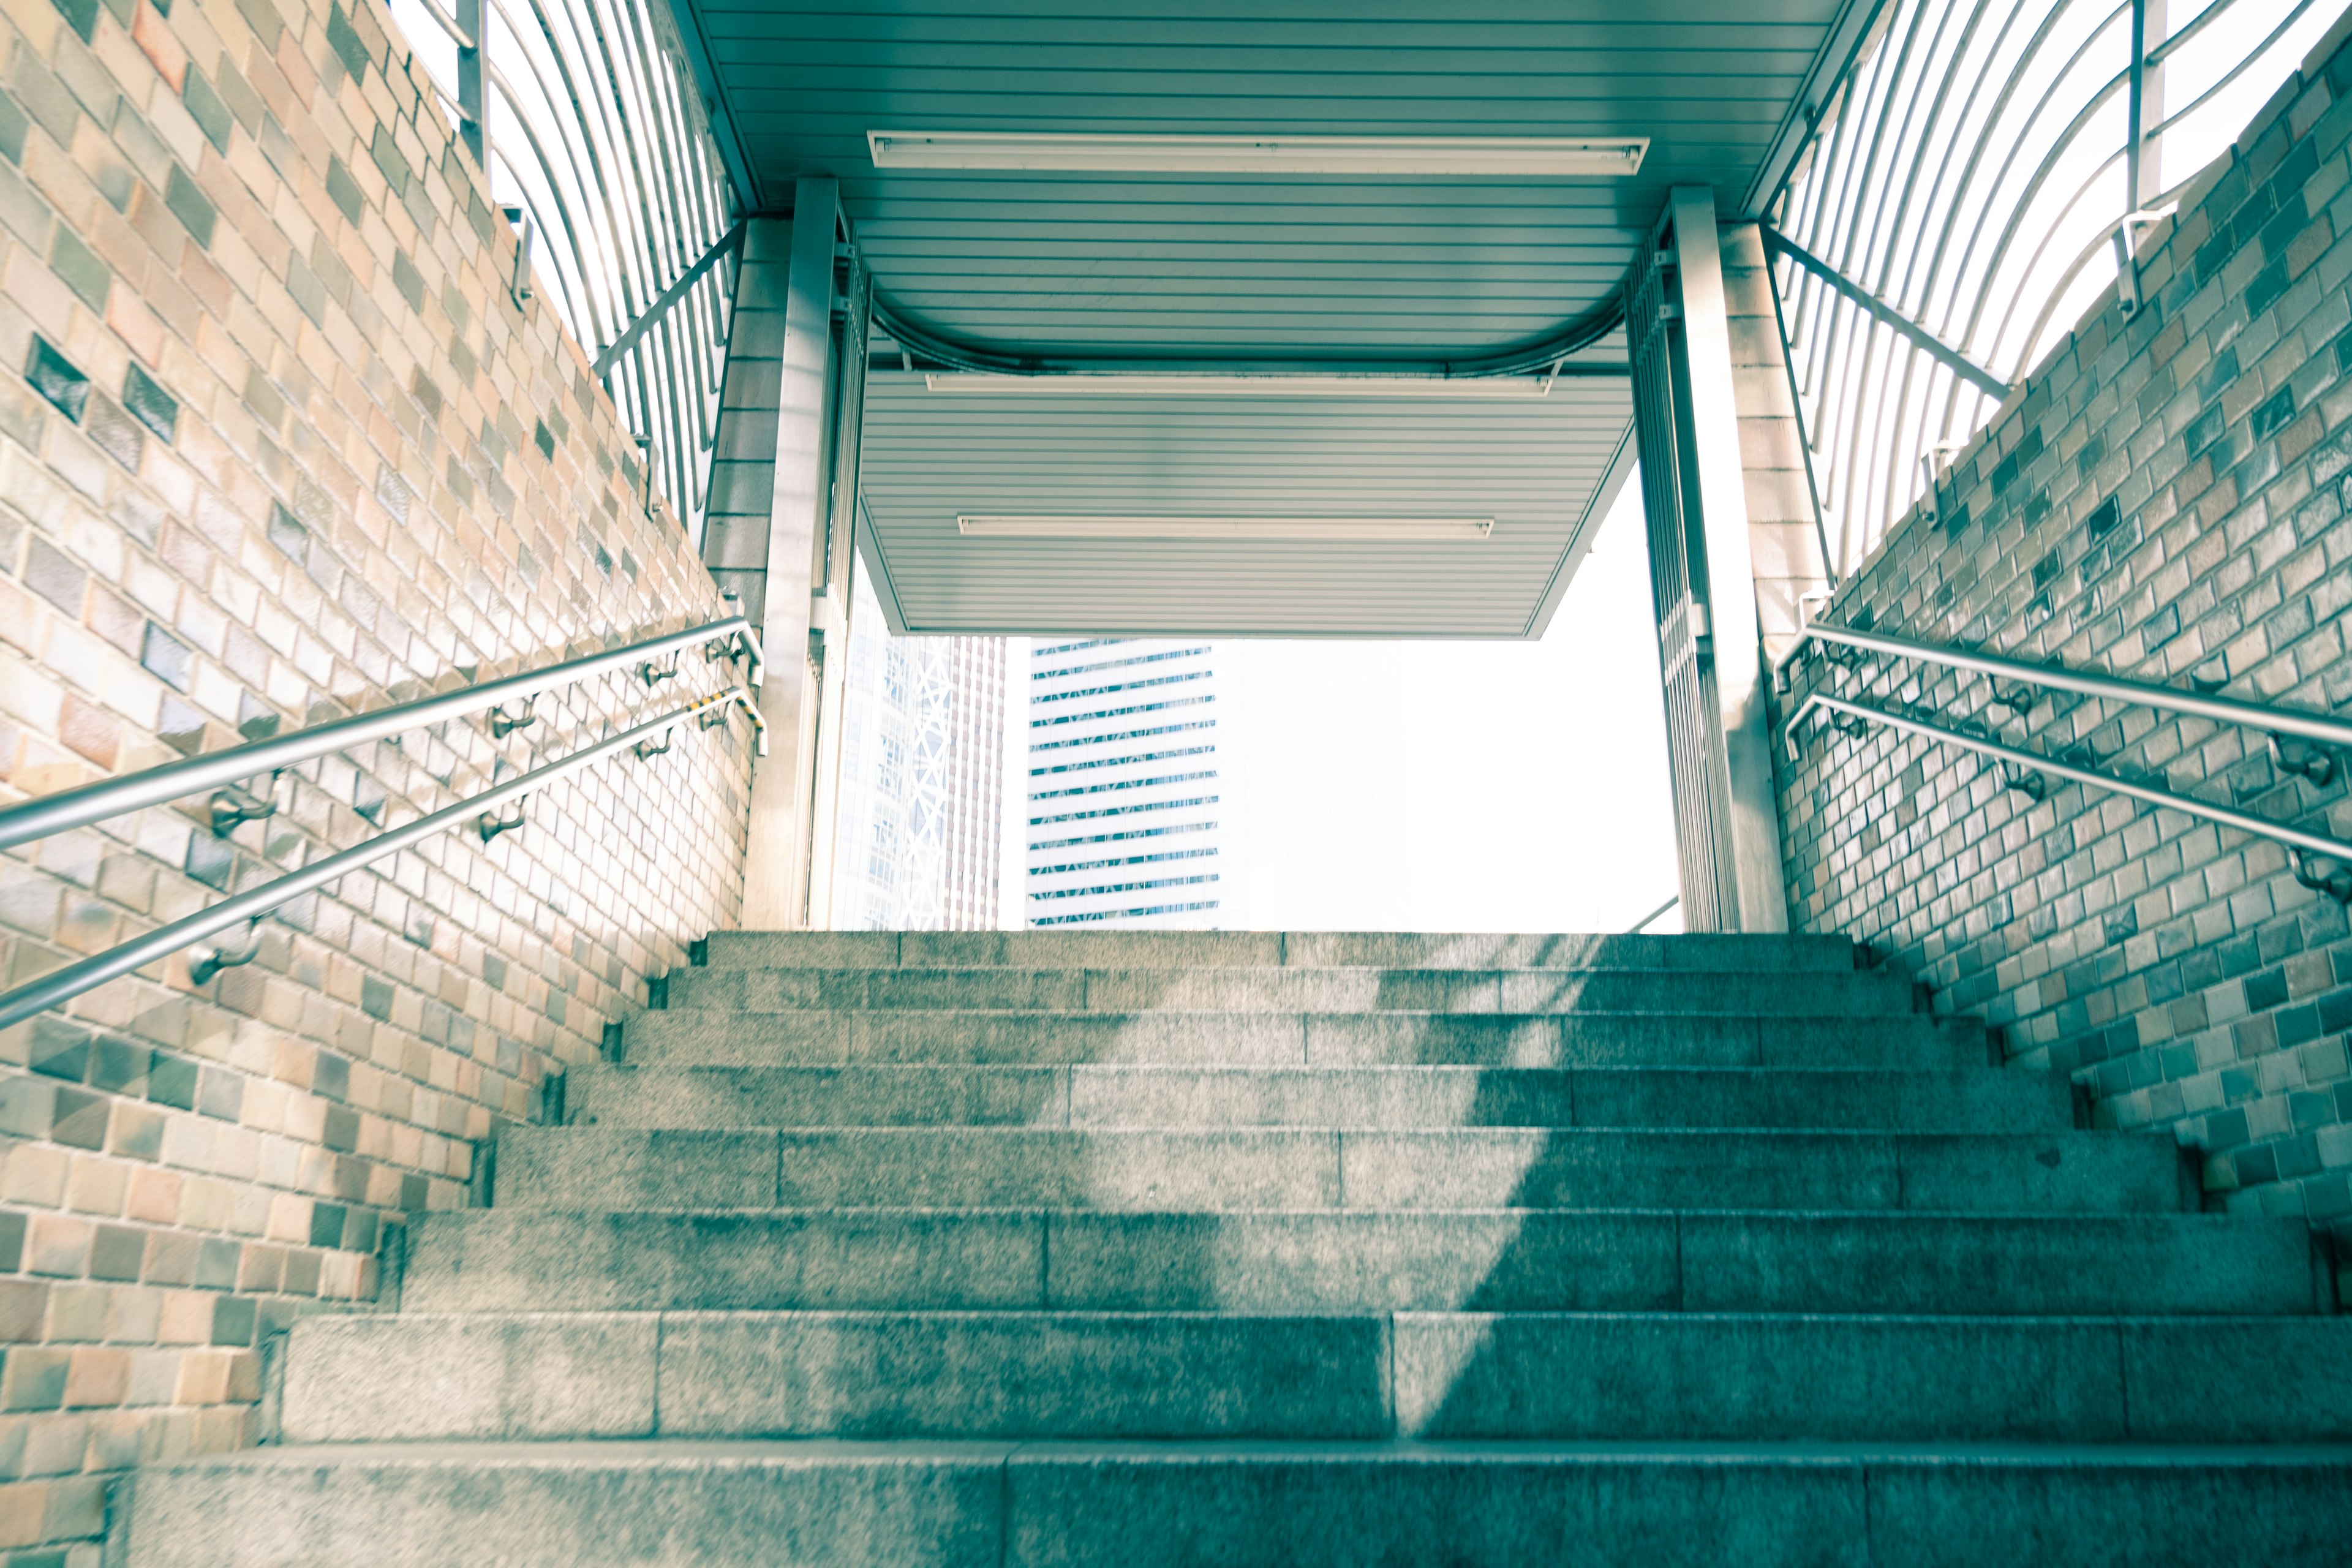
(64, 985)
(1642, 925)
(2294, 839)
(49, 813)
(2222, 709)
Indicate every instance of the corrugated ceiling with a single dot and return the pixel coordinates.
(1186, 263)
(1532, 466)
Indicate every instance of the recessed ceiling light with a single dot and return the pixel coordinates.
(1545, 156)
(1114, 386)
(1333, 529)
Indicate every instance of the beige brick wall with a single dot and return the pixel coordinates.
(2165, 499)
(276, 444)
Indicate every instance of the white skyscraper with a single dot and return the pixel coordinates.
(1123, 790)
(971, 894)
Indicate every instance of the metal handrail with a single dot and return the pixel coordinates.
(2222, 709)
(1642, 925)
(50, 814)
(2338, 883)
(64, 985)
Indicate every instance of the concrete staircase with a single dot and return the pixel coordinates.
(1231, 1248)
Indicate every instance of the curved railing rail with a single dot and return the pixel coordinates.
(1980, 174)
(62, 986)
(2314, 730)
(585, 118)
(52, 813)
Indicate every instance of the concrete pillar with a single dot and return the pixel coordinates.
(765, 534)
(830, 598)
(1704, 566)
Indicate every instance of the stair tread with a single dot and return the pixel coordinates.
(2224, 1222)
(911, 948)
(1250, 1503)
(668, 1451)
(342, 1321)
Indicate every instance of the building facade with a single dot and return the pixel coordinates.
(972, 884)
(921, 798)
(1124, 792)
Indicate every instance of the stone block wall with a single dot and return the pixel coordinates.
(2164, 499)
(278, 444)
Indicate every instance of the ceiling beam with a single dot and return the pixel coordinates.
(1549, 355)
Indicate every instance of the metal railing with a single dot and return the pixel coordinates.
(586, 121)
(52, 814)
(2310, 731)
(114, 797)
(1646, 921)
(1979, 176)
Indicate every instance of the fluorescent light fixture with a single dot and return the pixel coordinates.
(1333, 529)
(1206, 385)
(1544, 157)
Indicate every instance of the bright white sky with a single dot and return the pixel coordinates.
(1456, 786)
(1446, 786)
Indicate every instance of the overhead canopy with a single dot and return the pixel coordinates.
(1413, 272)
(1532, 467)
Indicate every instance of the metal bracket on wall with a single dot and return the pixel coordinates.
(518, 285)
(2018, 700)
(1934, 464)
(233, 808)
(491, 826)
(2024, 781)
(2303, 759)
(2336, 882)
(501, 726)
(651, 496)
(2127, 242)
(202, 971)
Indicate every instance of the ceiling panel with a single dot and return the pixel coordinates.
(1531, 464)
(1186, 265)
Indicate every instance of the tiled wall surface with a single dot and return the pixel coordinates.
(2165, 499)
(277, 443)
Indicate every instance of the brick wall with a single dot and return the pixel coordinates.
(2162, 500)
(276, 444)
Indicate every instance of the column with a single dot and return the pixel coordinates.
(1704, 564)
(766, 525)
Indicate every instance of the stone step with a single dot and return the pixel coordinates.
(734, 1374)
(1259, 950)
(1358, 1261)
(1646, 1377)
(951, 1036)
(880, 1095)
(1291, 1168)
(839, 1504)
(1667, 1376)
(1751, 992)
